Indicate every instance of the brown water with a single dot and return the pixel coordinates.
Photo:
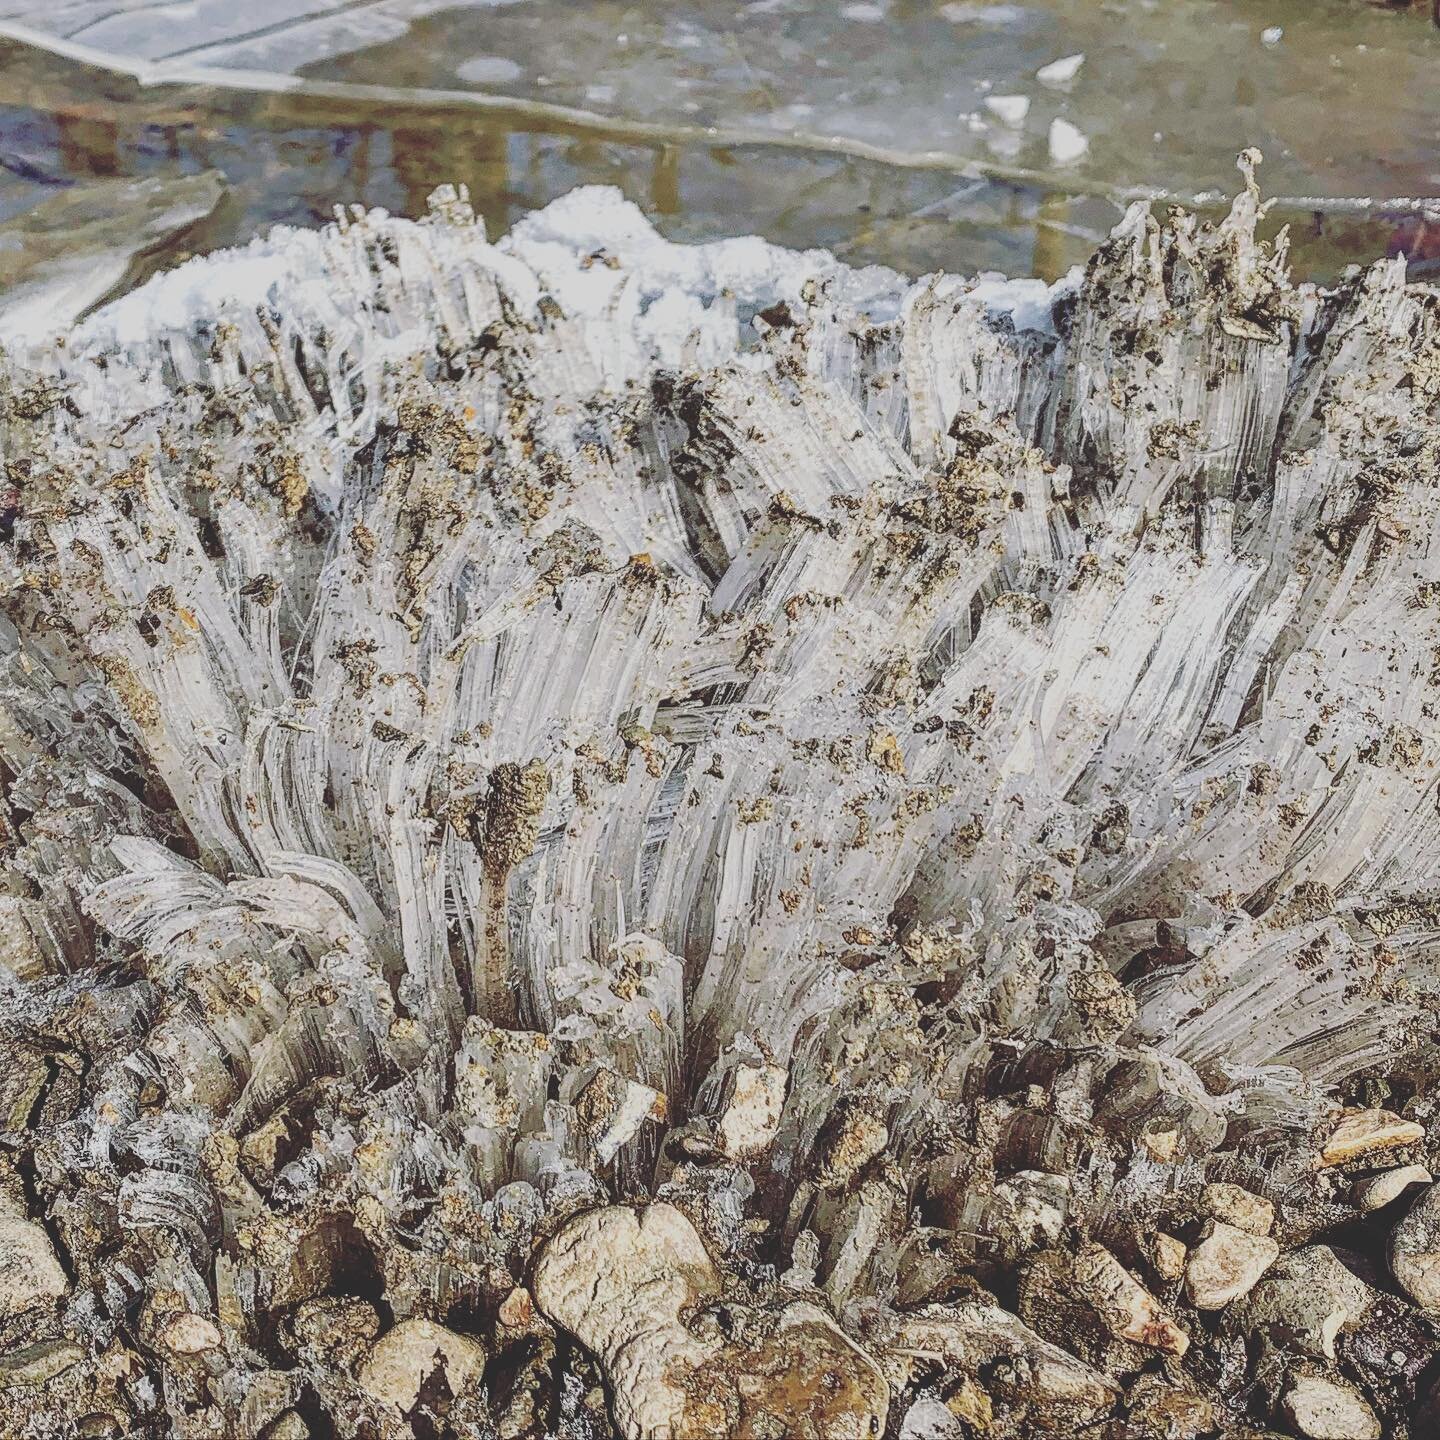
(292, 157)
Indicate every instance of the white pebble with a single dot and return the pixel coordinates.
(30, 1275)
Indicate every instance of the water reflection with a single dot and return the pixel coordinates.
(292, 159)
(88, 143)
(1339, 93)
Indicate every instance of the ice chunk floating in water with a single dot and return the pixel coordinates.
(71, 251)
(746, 810)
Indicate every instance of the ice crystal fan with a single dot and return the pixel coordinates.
(603, 837)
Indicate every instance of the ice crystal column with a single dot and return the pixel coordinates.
(610, 837)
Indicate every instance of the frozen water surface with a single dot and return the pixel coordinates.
(956, 136)
(1338, 94)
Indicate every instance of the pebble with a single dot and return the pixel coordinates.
(517, 1310)
(190, 1334)
(752, 1117)
(1035, 1204)
(30, 1273)
(627, 1284)
(969, 1402)
(1415, 1250)
(801, 1378)
(1305, 1300)
(612, 1110)
(1128, 1310)
(39, 1363)
(1167, 1255)
(1161, 1145)
(1020, 1370)
(1378, 1191)
(619, 1281)
(101, 1425)
(1225, 1265)
(847, 1146)
(1324, 1409)
(1159, 1409)
(928, 1419)
(404, 1357)
(1238, 1207)
(339, 1328)
(1367, 1131)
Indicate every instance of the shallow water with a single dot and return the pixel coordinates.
(765, 117)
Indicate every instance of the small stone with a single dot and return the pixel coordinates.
(1236, 1206)
(1103, 1006)
(39, 1363)
(1128, 1310)
(884, 750)
(289, 1426)
(618, 1281)
(516, 1310)
(101, 1425)
(1167, 1255)
(627, 1284)
(20, 953)
(404, 1358)
(1367, 1131)
(1304, 1301)
(1321, 1408)
(1155, 1408)
(336, 1328)
(1020, 1370)
(801, 1378)
(30, 1274)
(1035, 1203)
(929, 1419)
(1161, 1145)
(190, 1334)
(1415, 1250)
(1225, 1265)
(1378, 1191)
(971, 1404)
(752, 1117)
(847, 1146)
